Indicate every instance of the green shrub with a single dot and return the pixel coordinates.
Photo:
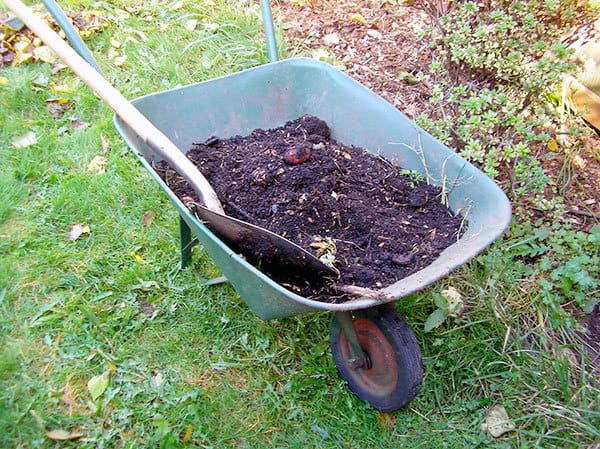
(493, 64)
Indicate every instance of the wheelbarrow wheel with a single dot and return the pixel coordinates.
(390, 373)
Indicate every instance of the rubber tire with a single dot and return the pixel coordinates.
(392, 382)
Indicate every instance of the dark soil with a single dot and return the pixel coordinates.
(328, 198)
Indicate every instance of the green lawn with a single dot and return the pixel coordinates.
(188, 365)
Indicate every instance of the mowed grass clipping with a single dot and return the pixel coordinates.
(106, 342)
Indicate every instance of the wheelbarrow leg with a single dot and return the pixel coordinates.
(358, 359)
(186, 242)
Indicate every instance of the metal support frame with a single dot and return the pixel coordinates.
(358, 359)
(186, 242)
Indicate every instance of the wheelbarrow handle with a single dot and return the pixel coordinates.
(143, 127)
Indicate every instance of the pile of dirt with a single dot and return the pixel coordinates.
(342, 203)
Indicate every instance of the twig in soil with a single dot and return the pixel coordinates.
(584, 214)
(241, 211)
(363, 292)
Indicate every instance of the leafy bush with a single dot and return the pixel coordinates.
(493, 64)
(563, 264)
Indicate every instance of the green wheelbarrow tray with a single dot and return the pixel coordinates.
(270, 95)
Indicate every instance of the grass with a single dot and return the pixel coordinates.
(189, 365)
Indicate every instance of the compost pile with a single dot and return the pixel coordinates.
(345, 205)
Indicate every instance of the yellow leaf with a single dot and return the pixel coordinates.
(45, 53)
(22, 58)
(3, 81)
(553, 146)
(137, 257)
(57, 106)
(63, 435)
(60, 88)
(115, 43)
(188, 434)
(358, 18)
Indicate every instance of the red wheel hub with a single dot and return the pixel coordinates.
(380, 373)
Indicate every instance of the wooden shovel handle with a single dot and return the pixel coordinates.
(159, 143)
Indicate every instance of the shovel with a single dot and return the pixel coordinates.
(258, 242)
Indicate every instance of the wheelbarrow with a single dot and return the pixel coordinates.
(373, 348)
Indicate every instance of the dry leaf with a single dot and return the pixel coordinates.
(79, 124)
(158, 379)
(331, 39)
(148, 217)
(58, 106)
(78, 230)
(63, 435)
(455, 301)
(190, 25)
(358, 18)
(97, 165)
(60, 88)
(188, 434)
(496, 422)
(211, 26)
(45, 54)
(120, 60)
(387, 421)
(104, 144)
(137, 257)
(3, 81)
(26, 140)
(553, 145)
(176, 5)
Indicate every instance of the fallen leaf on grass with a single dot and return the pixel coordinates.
(3, 81)
(58, 106)
(190, 25)
(455, 301)
(97, 165)
(496, 422)
(78, 124)
(45, 54)
(176, 5)
(97, 385)
(63, 435)
(148, 217)
(137, 257)
(60, 88)
(387, 421)
(104, 144)
(188, 434)
(26, 140)
(78, 230)
(158, 379)
(120, 60)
